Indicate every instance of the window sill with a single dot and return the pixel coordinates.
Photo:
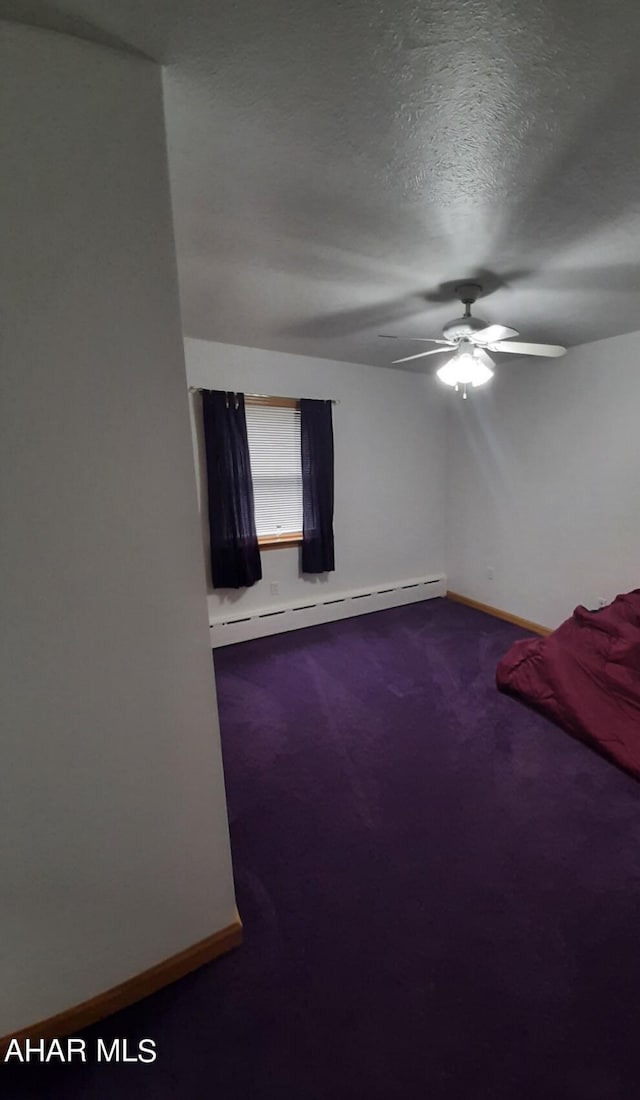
(272, 542)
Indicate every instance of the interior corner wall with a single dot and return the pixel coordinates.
(114, 851)
(389, 459)
(543, 483)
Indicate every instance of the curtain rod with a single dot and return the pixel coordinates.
(269, 396)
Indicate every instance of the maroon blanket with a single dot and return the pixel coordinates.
(586, 678)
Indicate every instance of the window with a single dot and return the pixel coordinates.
(273, 430)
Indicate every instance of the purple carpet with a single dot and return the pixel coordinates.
(440, 890)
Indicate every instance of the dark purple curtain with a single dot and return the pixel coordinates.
(235, 556)
(316, 431)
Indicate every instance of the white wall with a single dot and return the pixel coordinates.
(543, 483)
(389, 463)
(113, 833)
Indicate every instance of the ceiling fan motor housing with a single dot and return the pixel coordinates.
(462, 327)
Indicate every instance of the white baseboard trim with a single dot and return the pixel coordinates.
(230, 629)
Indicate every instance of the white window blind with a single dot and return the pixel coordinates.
(274, 448)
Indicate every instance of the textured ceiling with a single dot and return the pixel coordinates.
(336, 165)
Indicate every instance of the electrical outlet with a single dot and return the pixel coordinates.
(490, 573)
(274, 588)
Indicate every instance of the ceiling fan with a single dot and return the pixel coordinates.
(471, 339)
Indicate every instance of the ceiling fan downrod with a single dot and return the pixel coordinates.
(468, 293)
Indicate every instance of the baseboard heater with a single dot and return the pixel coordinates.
(229, 629)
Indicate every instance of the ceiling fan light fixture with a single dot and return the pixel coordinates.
(481, 374)
(464, 369)
(448, 373)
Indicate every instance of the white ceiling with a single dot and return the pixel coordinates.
(336, 164)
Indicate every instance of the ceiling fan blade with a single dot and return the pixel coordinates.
(421, 355)
(551, 350)
(481, 354)
(493, 333)
(411, 339)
